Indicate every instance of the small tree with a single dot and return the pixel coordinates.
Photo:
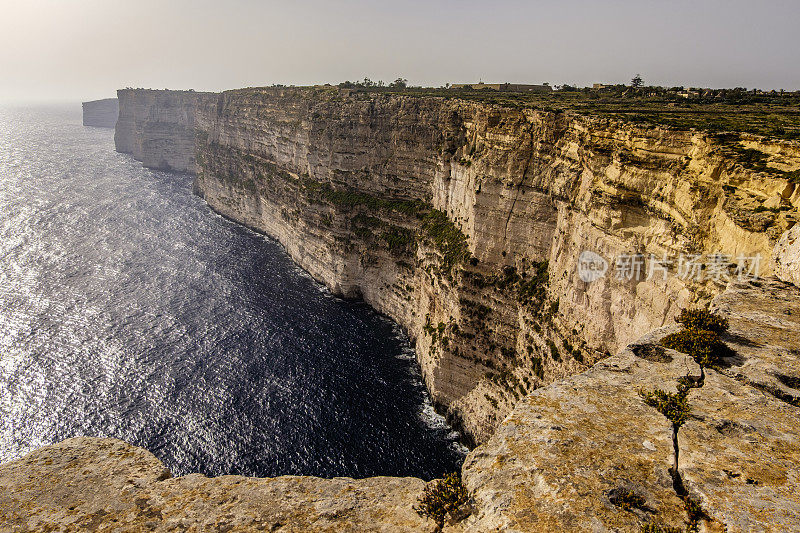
(637, 81)
(400, 83)
(444, 498)
(700, 337)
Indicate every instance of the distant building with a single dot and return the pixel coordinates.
(504, 87)
(527, 88)
(689, 93)
(477, 86)
(601, 86)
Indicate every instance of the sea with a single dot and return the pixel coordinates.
(129, 309)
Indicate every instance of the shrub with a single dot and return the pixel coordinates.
(699, 339)
(447, 237)
(701, 345)
(399, 240)
(537, 367)
(702, 319)
(533, 290)
(444, 497)
(627, 499)
(695, 511)
(673, 406)
(491, 400)
(553, 350)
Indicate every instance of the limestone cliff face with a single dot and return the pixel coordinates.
(464, 221)
(787, 256)
(101, 113)
(158, 127)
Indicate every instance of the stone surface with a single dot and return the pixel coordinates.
(158, 127)
(740, 451)
(740, 456)
(787, 256)
(101, 113)
(552, 464)
(87, 484)
(555, 463)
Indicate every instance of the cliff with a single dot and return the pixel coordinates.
(101, 113)
(464, 221)
(467, 223)
(584, 454)
(158, 127)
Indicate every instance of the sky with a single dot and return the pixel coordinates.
(71, 50)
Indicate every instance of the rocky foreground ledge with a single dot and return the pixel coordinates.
(569, 450)
(584, 454)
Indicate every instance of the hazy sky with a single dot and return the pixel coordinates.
(86, 49)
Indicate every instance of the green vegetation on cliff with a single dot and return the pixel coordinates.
(674, 406)
(451, 242)
(773, 114)
(348, 199)
(445, 498)
(434, 227)
(700, 337)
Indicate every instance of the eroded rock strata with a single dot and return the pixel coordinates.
(464, 221)
(566, 459)
(158, 127)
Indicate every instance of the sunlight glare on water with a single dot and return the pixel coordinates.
(129, 309)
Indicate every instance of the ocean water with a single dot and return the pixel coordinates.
(129, 309)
